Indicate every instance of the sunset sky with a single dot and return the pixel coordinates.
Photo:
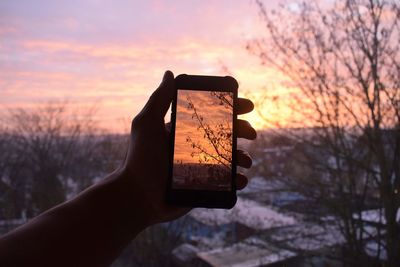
(187, 125)
(114, 53)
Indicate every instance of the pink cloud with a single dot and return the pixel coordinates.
(111, 51)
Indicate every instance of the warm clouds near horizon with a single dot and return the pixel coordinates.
(112, 54)
(203, 128)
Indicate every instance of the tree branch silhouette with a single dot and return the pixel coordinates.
(217, 135)
(342, 66)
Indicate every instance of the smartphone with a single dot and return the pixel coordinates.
(202, 169)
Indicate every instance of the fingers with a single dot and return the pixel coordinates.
(244, 130)
(243, 159)
(244, 106)
(160, 100)
(241, 181)
(168, 127)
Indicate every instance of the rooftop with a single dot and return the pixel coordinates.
(248, 253)
(250, 213)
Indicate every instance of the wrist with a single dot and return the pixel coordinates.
(113, 203)
(142, 200)
(128, 197)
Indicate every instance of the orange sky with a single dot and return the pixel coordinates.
(187, 125)
(113, 53)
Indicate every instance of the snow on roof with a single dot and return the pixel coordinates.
(250, 252)
(291, 232)
(247, 212)
(313, 243)
(374, 249)
(308, 236)
(206, 243)
(277, 149)
(375, 216)
(13, 222)
(185, 252)
(260, 184)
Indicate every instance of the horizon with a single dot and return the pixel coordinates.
(113, 55)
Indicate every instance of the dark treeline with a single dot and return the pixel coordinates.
(48, 155)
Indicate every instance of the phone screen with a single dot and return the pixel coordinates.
(203, 140)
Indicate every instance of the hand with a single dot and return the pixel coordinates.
(92, 228)
(146, 165)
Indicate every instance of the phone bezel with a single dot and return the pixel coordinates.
(203, 198)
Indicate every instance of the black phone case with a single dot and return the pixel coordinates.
(202, 198)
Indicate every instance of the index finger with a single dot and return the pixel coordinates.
(244, 105)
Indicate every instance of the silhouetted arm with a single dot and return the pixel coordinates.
(90, 230)
(94, 227)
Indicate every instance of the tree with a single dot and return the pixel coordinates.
(154, 246)
(49, 147)
(218, 136)
(6, 195)
(343, 68)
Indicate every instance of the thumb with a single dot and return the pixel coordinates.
(160, 100)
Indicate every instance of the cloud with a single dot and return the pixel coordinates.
(188, 125)
(108, 50)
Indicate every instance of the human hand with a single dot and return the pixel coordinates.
(92, 228)
(146, 165)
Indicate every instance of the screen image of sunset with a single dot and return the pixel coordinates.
(203, 140)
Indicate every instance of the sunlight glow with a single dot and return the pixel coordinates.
(87, 59)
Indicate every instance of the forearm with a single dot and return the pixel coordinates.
(89, 230)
